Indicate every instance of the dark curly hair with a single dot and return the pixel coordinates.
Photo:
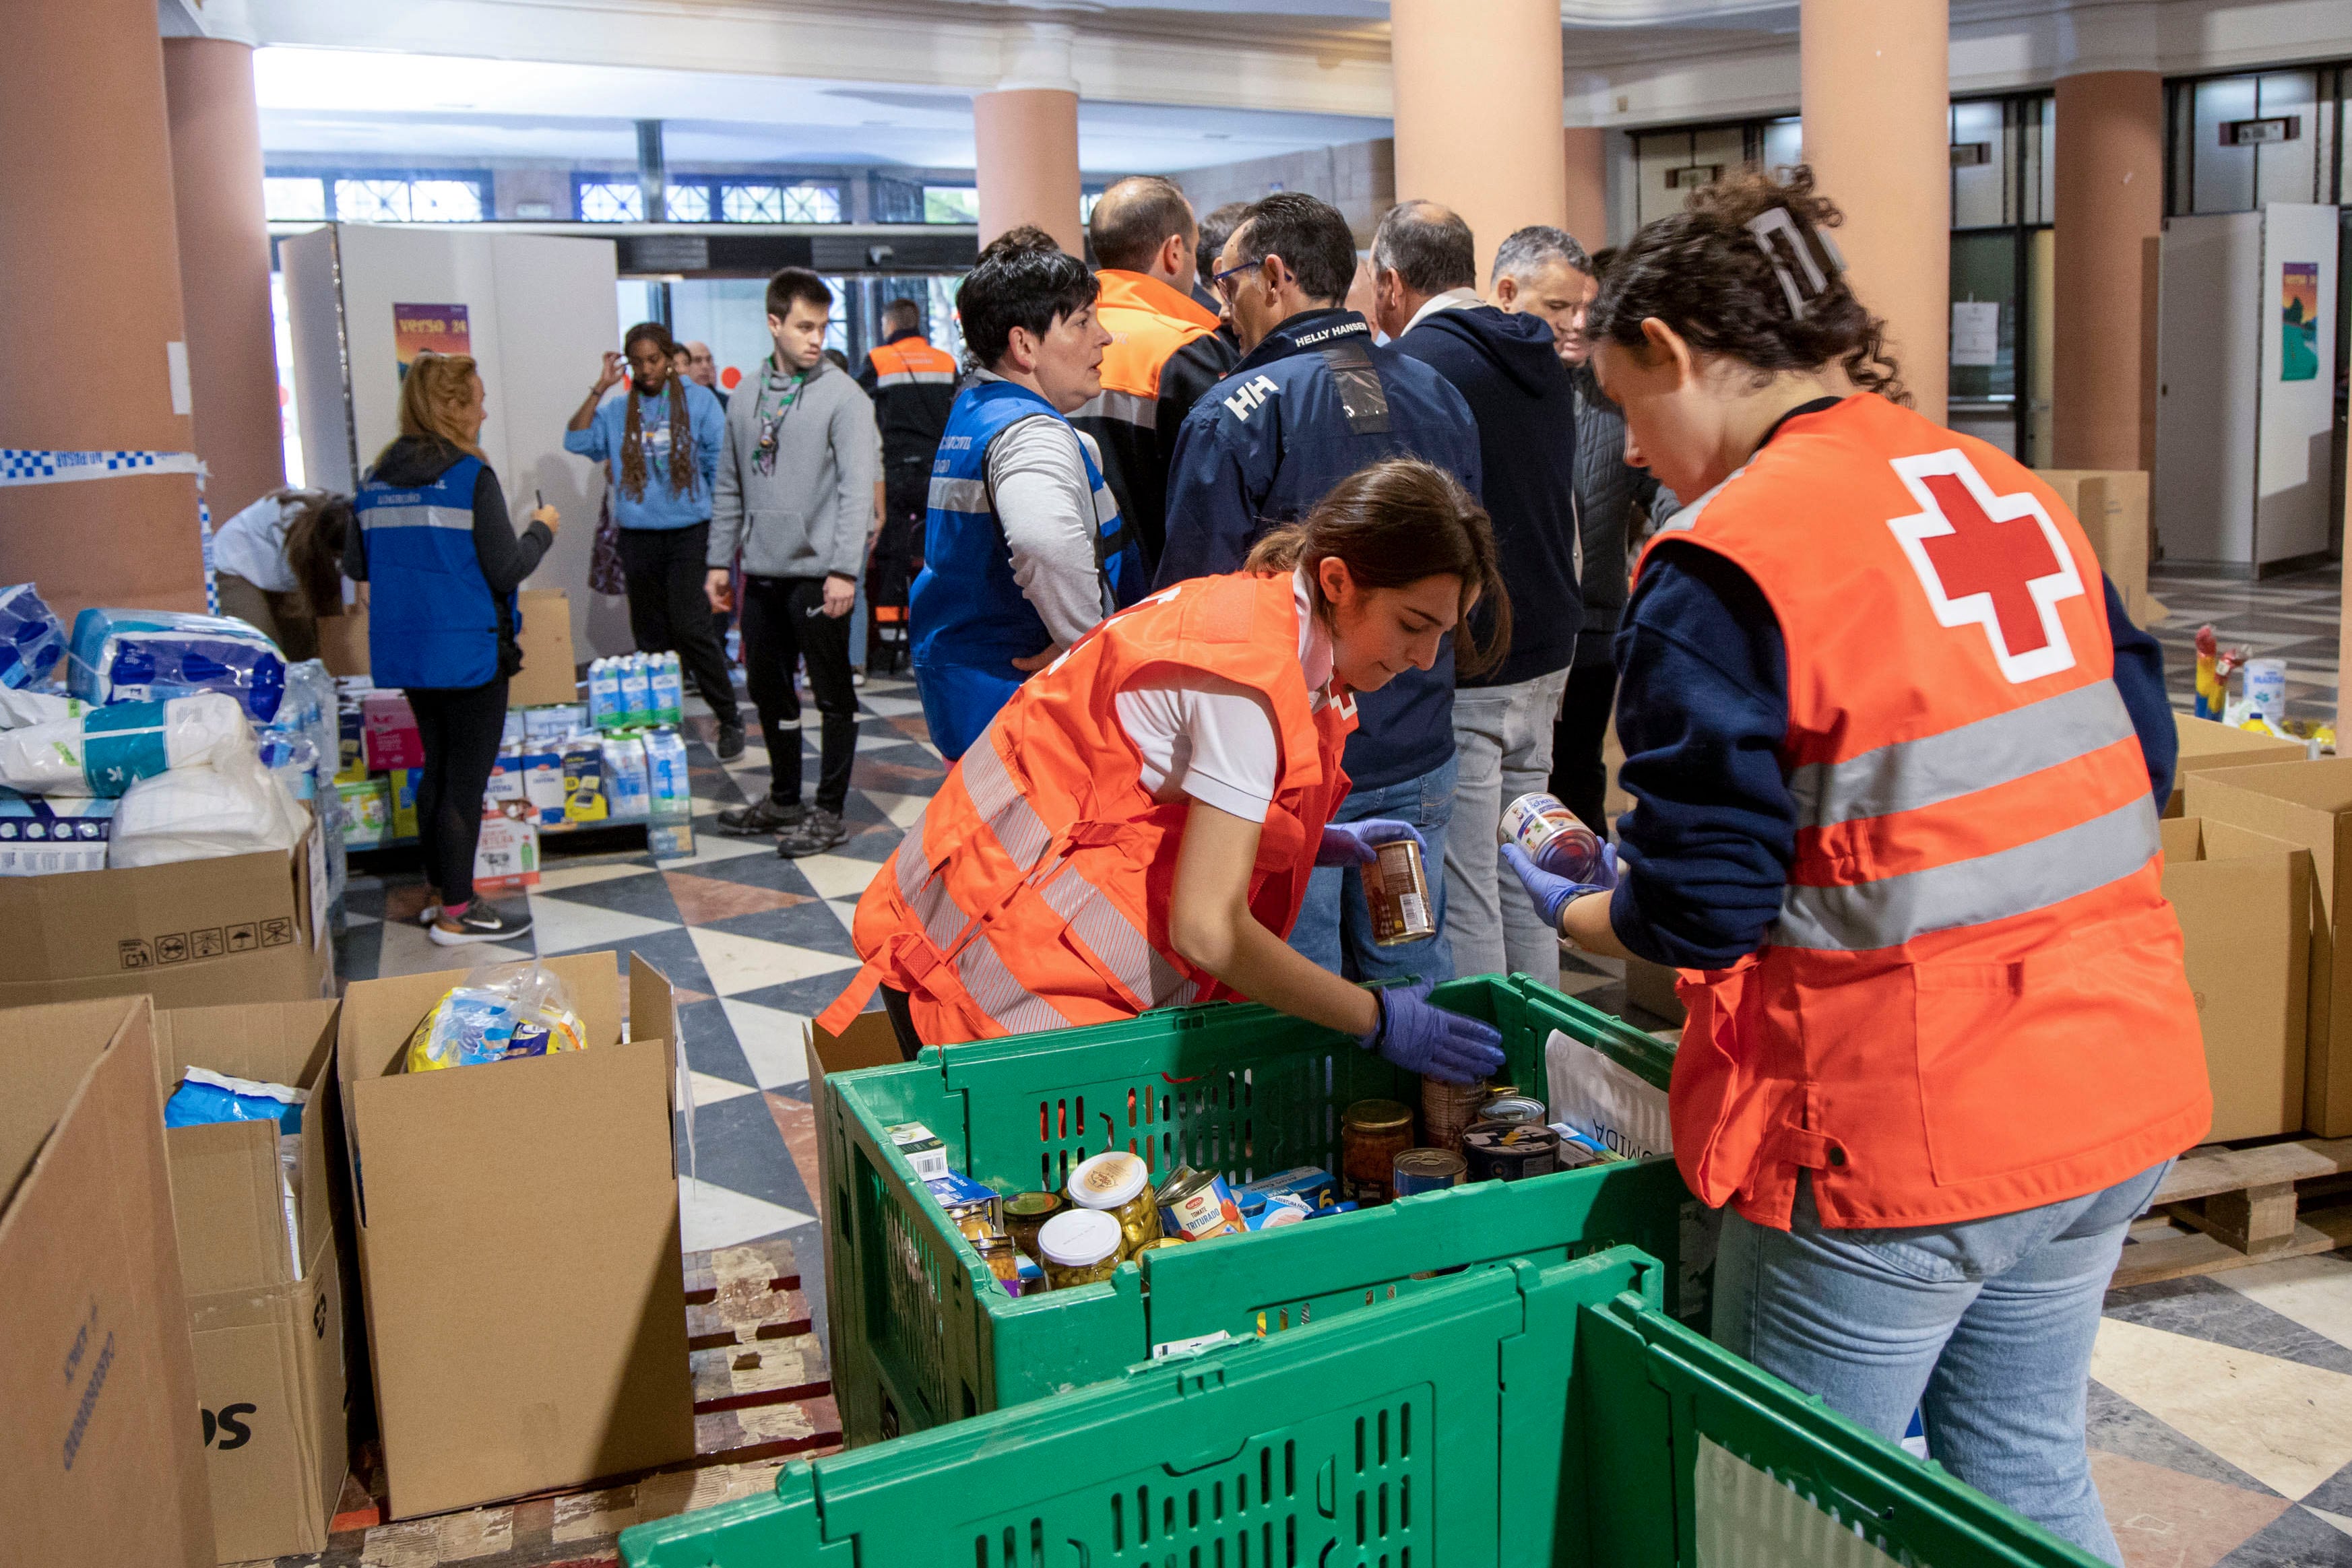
(1703, 273)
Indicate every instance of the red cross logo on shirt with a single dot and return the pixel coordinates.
(1991, 561)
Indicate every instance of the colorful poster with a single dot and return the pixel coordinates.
(428, 330)
(2298, 320)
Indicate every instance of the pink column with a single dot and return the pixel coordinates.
(1027, 142)
(1586, 148)
(1877, 110)
(1478, 113)
(2110, 199)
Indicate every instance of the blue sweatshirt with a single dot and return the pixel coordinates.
(1702, 709)
(660, 507)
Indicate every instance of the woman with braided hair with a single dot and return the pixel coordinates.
(661, 444)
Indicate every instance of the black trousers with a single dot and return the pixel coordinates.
(1579, 777)
(783, 623)
(902, 1023)
(668, 612)
(461, 728)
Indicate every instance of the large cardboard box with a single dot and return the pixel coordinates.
(1651, 987)
(268, 1319)
(2244, 903)
(551, 670)
(868, 1041)
(2207, 744)
(2112, 506)
(344, 641)
(2310, 804)
(101, 1461)
(519, 1246)
(198, 933)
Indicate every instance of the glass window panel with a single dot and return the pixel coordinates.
(1086, 201)
(812, 204)
(611, 201)
(751, 203)
(844, 300)
(372, 201)
(686, 204)
(1784, 143)
(1984, 272)
(2042, 162)
(950, 204)
(294, 199)
(1980, 190)
(2284, 171)
(2224, 176)
(946, 332)
(444, 202)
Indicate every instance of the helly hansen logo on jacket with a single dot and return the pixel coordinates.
(1247, 397)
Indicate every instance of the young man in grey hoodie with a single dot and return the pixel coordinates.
(795, 494)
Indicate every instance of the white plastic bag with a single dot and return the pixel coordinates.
(1613, 1104)
(104, 750)
(231, 807)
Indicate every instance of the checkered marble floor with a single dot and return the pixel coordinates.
(2295, 618)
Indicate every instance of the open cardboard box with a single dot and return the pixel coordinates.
(100, 1461)
(2244, 903)
(868, 1041)
(519, 1245)
(550, 669)
(268, 1321)
(2207, 745)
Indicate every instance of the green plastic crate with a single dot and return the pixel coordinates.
(1512, 1414)
(922, 1334)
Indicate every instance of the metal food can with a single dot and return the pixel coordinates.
(1553, 836)
(1517, 1109)
(1197, 1205)
(1397, 890)
(1428, 1170)
(1510, 1151)
(1446, 1109)
(1373, 1134)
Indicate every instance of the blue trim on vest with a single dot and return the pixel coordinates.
(433, 622)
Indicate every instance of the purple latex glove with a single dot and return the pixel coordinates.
(1550, 894)
(1423, 1037)
(1359, 844)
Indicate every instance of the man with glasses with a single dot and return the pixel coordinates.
(1313, 401)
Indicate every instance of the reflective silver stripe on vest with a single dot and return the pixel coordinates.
(895, 379)
(1125, 951)
(1001, 805)
(1893, 910)
(1910, 774)
(453, 517)
(1001, 997)
(1126, 407)
(959, 495)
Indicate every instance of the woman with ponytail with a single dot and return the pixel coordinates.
(1135, 827)
(661, 442)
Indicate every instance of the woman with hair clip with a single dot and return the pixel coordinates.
(1135, 827)
(279, 564)
(442, 563)
(1897, 755)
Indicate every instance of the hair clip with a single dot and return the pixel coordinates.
(1782, 240)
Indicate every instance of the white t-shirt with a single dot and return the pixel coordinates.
(252, 544)
(1214, 741)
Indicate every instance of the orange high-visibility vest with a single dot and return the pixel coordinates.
(1032, 893)
(1972, 1001)
(911, 362)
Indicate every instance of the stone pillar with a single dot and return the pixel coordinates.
(1587, 155)
(1478, 113)
(2110, 206)
(91, 261)
(224, 269)
(1876, 86)
(1025, 136)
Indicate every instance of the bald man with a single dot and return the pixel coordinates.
(702, 370)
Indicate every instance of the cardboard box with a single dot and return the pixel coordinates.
(344, 641)
(551, 670)
(351, 744)
(100, 1461)
(868, 1041)
(388, 732)
(519, 1246)
(2111, 504)
(2207, 744)
(507, 854)
(1651, 987)
(192, 934)
(269, 1328)
(2244, 903)
(2309, 804)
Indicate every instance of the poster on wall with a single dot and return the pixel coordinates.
(428, 330)
(1975, 332)
(2298, 320)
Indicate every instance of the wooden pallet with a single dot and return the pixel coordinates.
(2221, 1207)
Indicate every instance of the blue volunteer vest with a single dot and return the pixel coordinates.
(432, 620)
(969, 620)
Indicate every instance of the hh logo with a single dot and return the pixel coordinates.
(1993, 561)
(1249, 394)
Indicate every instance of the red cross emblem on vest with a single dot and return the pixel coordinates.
(1996, 562)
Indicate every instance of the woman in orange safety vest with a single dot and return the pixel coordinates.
(1135, 829)
(1897, 755)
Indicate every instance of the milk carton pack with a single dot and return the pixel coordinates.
(668, 690)
(627, 787)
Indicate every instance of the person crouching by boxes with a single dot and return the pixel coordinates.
(442, 560)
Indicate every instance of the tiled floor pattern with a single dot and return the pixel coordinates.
(2220, 1410)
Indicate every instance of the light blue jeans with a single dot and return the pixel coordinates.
(1502, 740)
(1335, 924)
(1985, 1326)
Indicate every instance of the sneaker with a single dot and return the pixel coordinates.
(858, 678)
(429, 913)
(731, 742)
(818, 832)
(761, 818)
(480, 923)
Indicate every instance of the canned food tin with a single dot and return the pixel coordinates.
(1517, 1109)
(1373, 1134)
(1428, 1170)
(1397, 890)
(1024, 1213)
(1550, 834)
(1447, 1108)
(1197, 1205)
(1510, 1151)
(1119, 1183)
(1081, 1246)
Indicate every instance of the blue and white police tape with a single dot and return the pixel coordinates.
(39, 465)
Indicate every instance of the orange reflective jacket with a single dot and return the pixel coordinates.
(1032, 893)
(1972, 1001)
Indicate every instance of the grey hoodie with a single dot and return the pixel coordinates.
(811, 516)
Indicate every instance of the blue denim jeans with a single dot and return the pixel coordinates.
(1986, 1327)
(1335, 924)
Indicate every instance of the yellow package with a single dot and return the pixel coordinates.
(472, 1024)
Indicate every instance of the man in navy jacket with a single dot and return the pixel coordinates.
(1312, 402)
